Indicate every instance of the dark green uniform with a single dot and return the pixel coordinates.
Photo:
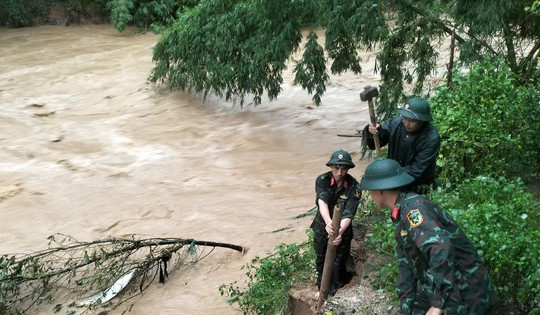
(349, 194)
(416, 151)
(438, 265)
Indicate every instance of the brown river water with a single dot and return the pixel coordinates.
(91, 149)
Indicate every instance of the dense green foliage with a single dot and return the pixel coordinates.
(381, 241)
(120, 13)
(19, 13)
(270, 279)
(147, 14)
(489, 125)
(312, 66)
(231, 48)
(240, 48)
(501, 218)
(535, 7)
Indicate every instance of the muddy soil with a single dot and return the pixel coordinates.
(357, 297)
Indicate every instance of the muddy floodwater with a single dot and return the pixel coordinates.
(89, 148)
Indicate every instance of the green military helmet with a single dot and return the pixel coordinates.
(385, 174)
(417, 109)
(341, 157)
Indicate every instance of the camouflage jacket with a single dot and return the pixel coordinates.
(437, 261)
(327, 191)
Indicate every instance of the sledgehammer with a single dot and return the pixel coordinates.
(368, 94)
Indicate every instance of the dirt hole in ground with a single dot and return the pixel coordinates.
(302, 297)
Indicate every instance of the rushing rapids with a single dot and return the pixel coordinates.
(91, 149)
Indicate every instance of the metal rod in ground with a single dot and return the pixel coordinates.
(329, 258)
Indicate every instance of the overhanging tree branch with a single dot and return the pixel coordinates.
(236, 49)
(440, 23)
(510, 48)
(530, 62)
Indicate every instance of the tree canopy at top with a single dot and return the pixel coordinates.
(239, 49)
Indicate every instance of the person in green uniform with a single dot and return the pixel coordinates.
(413, 141)
(333, 187)
(440, 271)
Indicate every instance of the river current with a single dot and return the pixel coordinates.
(91, 149)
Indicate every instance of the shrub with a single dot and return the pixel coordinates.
(146, 14)
(155, 14)
(381, 241)
(488, 125)
(270, 279)
(502, 220)
(20, 13)
(120, 13)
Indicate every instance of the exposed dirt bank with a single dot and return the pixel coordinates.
(357, 297)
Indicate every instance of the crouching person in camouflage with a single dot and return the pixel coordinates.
(440, 271)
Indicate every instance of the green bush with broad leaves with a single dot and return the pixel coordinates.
(489, 125)
(502, 220)
(157, 15)
(270, 279)
(380, 238)
(381, 241)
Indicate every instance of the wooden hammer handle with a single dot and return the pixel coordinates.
(374, 123)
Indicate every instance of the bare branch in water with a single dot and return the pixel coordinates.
(68, 270)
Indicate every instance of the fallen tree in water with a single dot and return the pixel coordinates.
(68, 270)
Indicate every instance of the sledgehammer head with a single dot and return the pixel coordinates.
(369, 93)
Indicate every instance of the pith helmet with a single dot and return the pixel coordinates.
(384, 175)
(341, 157)
(417, 109)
